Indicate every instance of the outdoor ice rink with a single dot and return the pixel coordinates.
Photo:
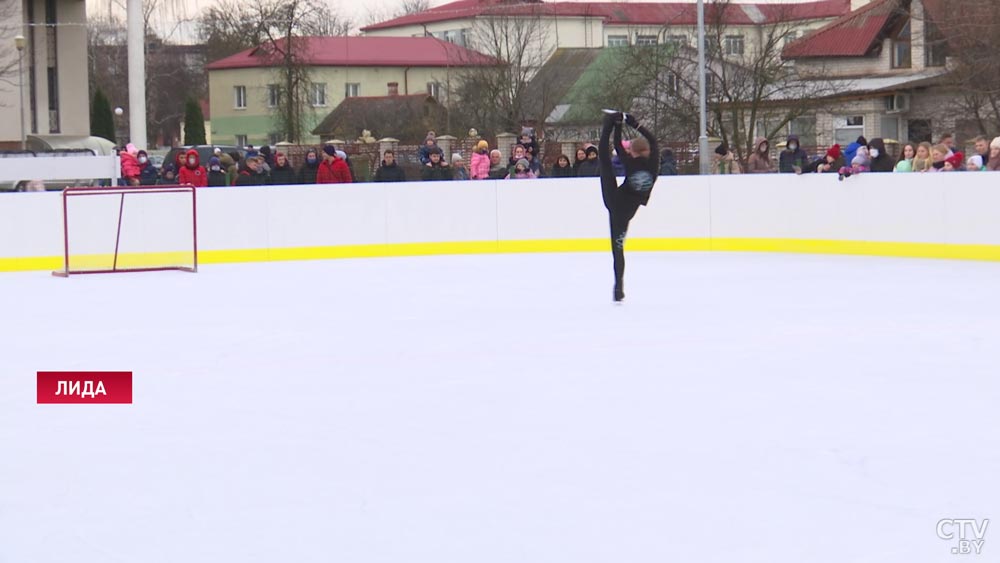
(498, 409)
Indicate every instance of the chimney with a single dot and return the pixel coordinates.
(393, 88)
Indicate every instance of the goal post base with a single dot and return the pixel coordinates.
(65, 274)
(154, 218)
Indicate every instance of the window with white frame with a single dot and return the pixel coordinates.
(805, 129)
(317, 94)
(646, 40)
(672, 82)
(902, 49)
(677, 40)
(617, 40)
(241, 140)
(352, 90)
(434, 90)
(272, 95)
(791, 36)
(733, 44)
(846, 130)
(240, 97)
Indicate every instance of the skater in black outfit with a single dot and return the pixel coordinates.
(642, 165)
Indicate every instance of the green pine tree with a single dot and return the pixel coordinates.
(102, 121)
(194, 124)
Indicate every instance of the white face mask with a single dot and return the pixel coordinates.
(874, 153)
(142, 160)
(793, 146)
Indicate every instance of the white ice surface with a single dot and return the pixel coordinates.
(498, 409)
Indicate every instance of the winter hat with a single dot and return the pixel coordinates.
(217, 151)
(591, 150)
(169, 167)
(995, 144)
(214, 161)
(834, 152)
(722, 149)
(342, 155)
(482, 146)
(956, 160)
(523, 162)
(862, 140)
(131, 149)
(976, 161)
(330, 150)
(456, 157)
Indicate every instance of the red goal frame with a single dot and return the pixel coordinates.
(123, 190)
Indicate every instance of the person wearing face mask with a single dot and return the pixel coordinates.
(793, 159)
(193, 172)
(216, 176)
(307, 174)
(881, 160)
(642, 165)
(148, 174)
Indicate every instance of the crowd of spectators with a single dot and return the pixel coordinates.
(329, 165)
(862, 156)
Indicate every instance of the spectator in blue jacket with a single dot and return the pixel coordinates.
(148, 174)
(852, 149)
(429, 146)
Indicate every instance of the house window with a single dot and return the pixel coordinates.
(733, 45)
(645, 40)
(890, 127)
(240, 97)
(671, 82)
(901, 48)
(617, 40)
(791, 36)
(434, 90)
(317, 94)
(352, 90)
(677, 40)
(241, 140)
(848, 129)
(272, 95)
(393, 88)
(919, 130)
(805, 128)
(934, 46)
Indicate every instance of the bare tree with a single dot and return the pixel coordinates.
(751, 91)
(491, 97)
(9, 80)
(378, 14)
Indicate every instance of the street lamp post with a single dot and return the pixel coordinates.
(703, 161)
(20, 43)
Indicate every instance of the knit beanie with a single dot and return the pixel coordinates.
(330, 150)
(834, 152)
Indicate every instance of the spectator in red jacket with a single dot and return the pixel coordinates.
(130, 165)
(333, 169)
(193, 172)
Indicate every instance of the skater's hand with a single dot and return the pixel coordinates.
(613, 117)
(631, 121)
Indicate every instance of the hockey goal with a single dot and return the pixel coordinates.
(129, 229)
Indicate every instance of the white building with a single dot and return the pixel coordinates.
(53, 70)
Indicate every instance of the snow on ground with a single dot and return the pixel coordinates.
(493, 409)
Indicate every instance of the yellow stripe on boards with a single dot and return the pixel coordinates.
(804, 246)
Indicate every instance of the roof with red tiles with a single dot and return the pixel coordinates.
(620, 13)
(359, 51)
(854, 35)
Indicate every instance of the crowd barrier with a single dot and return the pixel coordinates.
(945, 215)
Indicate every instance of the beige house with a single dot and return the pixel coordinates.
(53, 69)
(243, 88)
(602, 24)
(889, 75)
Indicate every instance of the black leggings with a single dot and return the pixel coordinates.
(621, 209)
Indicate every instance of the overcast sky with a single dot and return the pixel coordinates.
(175, 15)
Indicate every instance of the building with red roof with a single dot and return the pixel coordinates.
(245, 88)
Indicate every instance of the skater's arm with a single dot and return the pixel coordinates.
(622, 153)
(654, 148)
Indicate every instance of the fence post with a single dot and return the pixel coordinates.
(505, 142)
(386, 144)
(446, 143)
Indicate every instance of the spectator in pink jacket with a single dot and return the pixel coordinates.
(130, 165)
(479, 166)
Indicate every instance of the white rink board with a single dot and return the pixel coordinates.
(957, 208)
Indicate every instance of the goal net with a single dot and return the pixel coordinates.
(129, 229)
